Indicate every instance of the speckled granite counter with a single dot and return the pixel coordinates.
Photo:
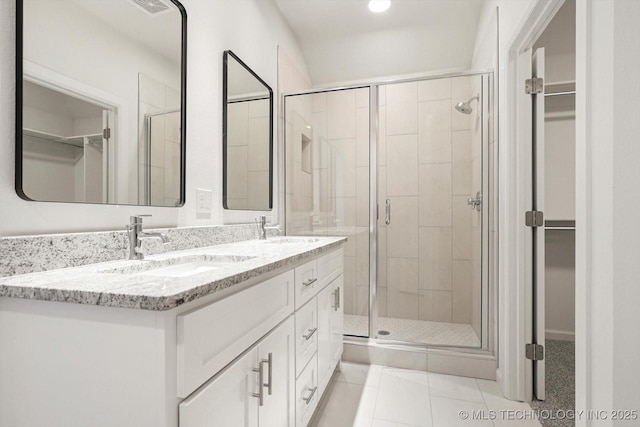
(119, 284)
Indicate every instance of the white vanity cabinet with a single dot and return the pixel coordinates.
(319, 322)
(197, 364)
(330, 327)
(257, 388)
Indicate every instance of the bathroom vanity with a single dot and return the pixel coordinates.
(237, 334)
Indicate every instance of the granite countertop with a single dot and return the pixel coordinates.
(132, 284)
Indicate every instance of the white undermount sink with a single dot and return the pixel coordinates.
(183, 266)
(292, 239)
(182, 270)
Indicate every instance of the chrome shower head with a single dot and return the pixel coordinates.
(465, 106)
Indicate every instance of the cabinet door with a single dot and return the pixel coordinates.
(325, 309)
(277, 353)
(337, 321)
(227, 399)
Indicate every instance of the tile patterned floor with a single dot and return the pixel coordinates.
(377, 396)
(418, 331)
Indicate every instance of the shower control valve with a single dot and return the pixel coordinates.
(475, 202)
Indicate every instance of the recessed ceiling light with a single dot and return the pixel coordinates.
(378, 6)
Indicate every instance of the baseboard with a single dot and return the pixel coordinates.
(560, 335)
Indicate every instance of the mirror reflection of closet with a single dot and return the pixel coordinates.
(65, 148)
(100, 113)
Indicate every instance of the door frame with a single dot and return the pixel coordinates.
(515, 307)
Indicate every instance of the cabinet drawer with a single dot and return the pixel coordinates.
(307, 393)
(212, 336)
(330, 266)
(307, 283)
(306, 334)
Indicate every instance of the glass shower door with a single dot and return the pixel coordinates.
(430, 185)
(327, 183)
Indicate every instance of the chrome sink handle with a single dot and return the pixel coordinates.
(136, 233)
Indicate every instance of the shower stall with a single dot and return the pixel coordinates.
(402, 170)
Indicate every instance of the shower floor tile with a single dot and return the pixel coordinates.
(416, 331)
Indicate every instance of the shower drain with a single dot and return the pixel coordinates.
(384, 333)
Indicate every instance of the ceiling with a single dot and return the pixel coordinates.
(342, 40)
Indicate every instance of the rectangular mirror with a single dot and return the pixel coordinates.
(100, 101)
(247, 138)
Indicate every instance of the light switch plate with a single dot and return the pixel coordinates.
(204, 200)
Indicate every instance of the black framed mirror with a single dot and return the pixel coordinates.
(247, 137)
(100, 101)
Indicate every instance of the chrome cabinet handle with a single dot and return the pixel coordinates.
(337, 291)
(313, 392)
(269, 361)
(259, 394)
(308, 336)
(387, 218)
(309, 282)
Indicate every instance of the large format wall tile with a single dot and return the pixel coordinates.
(461, 147)
(402, 108)
(341, 113)
(435, 306)
(431, 90)
(402, 168)
(435, 258)
(462, 282)
(402, 233)
(434, 131)
(402, 274)
(344, 162)
(435, 195)
(462, 227)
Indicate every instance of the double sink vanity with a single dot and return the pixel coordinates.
(236, 334)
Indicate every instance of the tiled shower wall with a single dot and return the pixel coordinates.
(429, 164)
(164, 159)
(248, 152)
(330, 132)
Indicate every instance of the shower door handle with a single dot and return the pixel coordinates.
(387, 218)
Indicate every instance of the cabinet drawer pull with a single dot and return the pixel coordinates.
(313, 392)
(310, 334)
(259, 394)
(269, 361)
(309, 282)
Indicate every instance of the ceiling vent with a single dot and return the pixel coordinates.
(153, 7)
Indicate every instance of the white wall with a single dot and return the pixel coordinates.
(607, 267)
(251, 28)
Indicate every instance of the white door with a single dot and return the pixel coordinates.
(538, 109)
(227, 400)
(277, 356)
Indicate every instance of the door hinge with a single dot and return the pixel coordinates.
(534, 219)
(106, 133)
(534, 85)
(534, 352)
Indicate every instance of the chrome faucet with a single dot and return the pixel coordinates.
(264, 227)
(136, 233)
